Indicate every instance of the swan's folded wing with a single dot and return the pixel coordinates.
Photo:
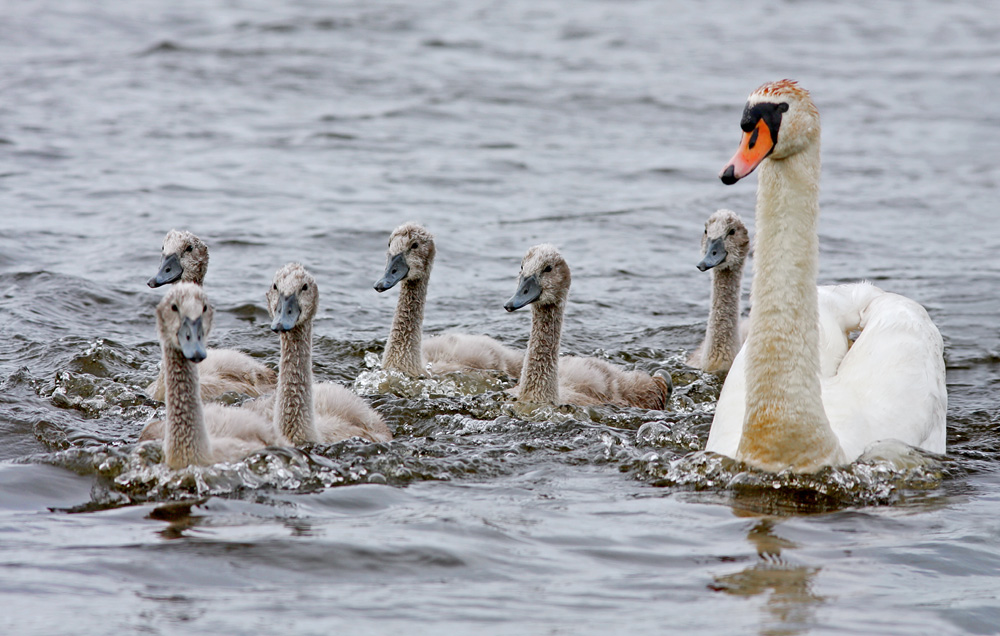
(727, 425)
(891, 384)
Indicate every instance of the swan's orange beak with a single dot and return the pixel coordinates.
(754, 148)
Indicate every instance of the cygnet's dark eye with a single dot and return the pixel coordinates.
(174, 306)
(204, 308)
(305, 287)
(415, 245)
(189, 248)
(548, 268)
(732, 231)
(274, 286)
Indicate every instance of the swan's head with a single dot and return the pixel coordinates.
(544, 278)
(725, 242)
(184, 319)
(410, 256)
(778, 121)
(292, 298)
(184, 257)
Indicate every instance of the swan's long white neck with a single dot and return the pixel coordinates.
(293, 406)
(540, 373)
(402, 351)
(785, 423)
(186, 440)
(722, 341)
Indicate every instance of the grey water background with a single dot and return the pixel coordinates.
(308, 130)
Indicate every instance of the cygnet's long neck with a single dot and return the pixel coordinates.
(402, 351)
(785, 423)
(197, 277)
(540, 373)
(722, 336)
(187, 439)
(293, 408)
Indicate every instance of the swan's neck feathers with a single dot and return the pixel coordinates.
(785, 424)
(540, 373)
(186, 439)
(402, 351)
(293, 408)
(722, 336)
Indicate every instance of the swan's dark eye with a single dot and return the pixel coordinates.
(305, 287)
(415, 245)
(204, 308)
(190, 248)
(732, 231)
(174, 306)
(783, 107)
(548, 268)
(274, 286)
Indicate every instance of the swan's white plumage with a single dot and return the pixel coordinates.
(800, 394)
(888, 384)
(224, 370)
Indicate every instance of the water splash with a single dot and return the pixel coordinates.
(872, 480)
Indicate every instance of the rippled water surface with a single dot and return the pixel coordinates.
(307, 131)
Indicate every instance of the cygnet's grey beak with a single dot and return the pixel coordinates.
(715, 254)
(395, 270)
(191, 337)
(170, 272)
(528, 291)
(287, 314)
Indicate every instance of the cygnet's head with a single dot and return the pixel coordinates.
(293, 298)
(725, 242)
(410, 256)
(184, 258)
(184, 319)
(544, 278)
(776, 107)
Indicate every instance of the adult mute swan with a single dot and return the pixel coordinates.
(725, 245)
(549, 379)
(307, 412)
(185, 259)
(786, 403)
(409, 260)
(196, 433)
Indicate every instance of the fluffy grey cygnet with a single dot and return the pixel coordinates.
(185, 259)
(548, 378)
(304, 411)
(408, 262)
(196, 433)
(724, 246)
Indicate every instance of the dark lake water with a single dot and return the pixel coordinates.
(307, 131)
